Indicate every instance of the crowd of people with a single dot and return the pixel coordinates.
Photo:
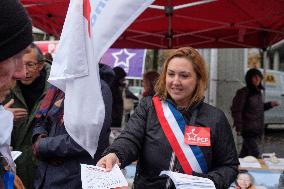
(172, 127)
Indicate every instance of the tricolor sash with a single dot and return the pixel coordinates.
(173, 124)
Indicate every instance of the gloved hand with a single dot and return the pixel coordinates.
(35, 146)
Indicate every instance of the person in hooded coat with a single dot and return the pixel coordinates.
(248, 113)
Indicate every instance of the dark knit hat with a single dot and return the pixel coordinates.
(15, 28)
(119, 72)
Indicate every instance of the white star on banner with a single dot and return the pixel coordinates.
(118, 62)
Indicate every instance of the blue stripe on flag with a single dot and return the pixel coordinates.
(195, 149)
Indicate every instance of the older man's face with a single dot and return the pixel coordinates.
(33, 67)
(11, 69)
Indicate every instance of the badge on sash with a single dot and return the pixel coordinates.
(199, 136)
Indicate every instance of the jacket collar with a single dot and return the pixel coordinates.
(189, 109)
(201, 107)
(17, 91)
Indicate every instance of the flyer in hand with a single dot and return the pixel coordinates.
(94, 177)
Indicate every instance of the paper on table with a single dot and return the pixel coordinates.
(244, 163)
(276, 165)
(184, 181)
(15, 154)
(94, 177)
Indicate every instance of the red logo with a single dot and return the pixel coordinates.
(199, 136)
(86, 13)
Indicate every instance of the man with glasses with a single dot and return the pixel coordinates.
(24, 101)
(15, 37)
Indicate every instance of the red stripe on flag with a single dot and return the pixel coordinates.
(87, 13)
(171, 137)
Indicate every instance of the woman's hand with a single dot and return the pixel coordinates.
(108, 161)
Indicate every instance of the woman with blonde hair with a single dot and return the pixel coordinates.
(176, 130)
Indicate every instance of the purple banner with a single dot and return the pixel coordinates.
(131, 60)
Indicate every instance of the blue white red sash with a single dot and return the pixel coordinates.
(190, 157)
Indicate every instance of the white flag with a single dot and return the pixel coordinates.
(90, 28)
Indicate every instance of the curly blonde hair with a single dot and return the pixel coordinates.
(199, 68)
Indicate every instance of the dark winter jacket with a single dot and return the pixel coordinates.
(144, 140)
(60, 156)
(248, 112)
(117, 98)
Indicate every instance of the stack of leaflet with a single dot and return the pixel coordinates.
(184, 181)
(249, 162)
(274, 163)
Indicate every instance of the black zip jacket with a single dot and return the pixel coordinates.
(144, 140)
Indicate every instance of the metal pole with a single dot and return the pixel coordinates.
(265, 66)
(169, 13)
